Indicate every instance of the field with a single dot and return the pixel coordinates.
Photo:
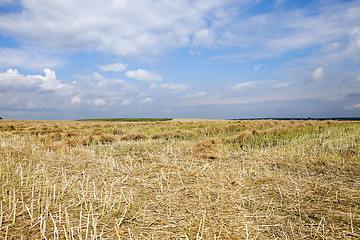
(127, 119)
(180, 179)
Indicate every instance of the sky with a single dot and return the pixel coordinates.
(216, 59)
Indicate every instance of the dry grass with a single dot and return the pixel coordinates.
(180, 180)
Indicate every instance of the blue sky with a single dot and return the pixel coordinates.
(216, 59)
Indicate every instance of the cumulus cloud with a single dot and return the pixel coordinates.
(317, 74)
(50, 82)
(113, 67)
(46, 92)
(33, 92)
(144, 75)
(12, 80)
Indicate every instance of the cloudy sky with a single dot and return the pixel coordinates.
(62, 59)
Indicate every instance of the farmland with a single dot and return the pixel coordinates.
(127, 119)
(179, 179)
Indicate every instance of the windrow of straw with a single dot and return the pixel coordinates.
(180, 180)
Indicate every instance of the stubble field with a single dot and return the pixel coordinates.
(180, 180)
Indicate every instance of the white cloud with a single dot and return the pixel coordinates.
(197, 95)
(273, 84)
(76, 100)
(147, 100)
(312, 30)
(257, 67)
(143, 75)
(353, 48)
(336, 61)
(126, 102)
(50, 82)
(96, 90)
(98, 76)
(28, 58)
(39, 92)
(137, 27)
(203, 37)
(338, 52)
(11, 80)
(278, 32)
(243, 85)
(317, 74)
(174, 87)
(114, 67)
(99, 102)
(34, 92)
(148, 27)
(355, 106)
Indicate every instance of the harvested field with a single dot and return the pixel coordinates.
(180, 179)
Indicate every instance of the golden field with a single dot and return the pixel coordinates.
(181, 179)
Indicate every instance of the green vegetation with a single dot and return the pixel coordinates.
(128, 119)
(180, 179)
